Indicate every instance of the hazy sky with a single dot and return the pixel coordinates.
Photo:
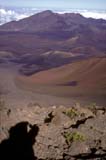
(93, 4)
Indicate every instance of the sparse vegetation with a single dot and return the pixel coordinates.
(72, 137)
(62, 137)
(71, 113)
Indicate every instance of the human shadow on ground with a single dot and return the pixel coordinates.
(19, 144)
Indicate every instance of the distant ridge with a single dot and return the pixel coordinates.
(66, 37)
(49, 21)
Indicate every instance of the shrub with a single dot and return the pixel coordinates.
(71, 113)
(72, 137)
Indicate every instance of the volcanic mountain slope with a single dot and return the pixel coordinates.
(83, 78)
(51, 32)
(49, 21)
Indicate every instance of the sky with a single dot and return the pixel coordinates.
(83, 4)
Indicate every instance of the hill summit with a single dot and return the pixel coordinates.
(49, 21)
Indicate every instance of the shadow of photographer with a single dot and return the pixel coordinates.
(19, 144)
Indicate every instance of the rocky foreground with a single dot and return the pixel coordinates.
(73, 133)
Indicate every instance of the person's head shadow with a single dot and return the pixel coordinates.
(19, 144)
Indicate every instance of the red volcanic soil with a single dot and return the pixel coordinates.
(82, 78)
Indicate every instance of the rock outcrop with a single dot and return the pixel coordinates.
(64, 133)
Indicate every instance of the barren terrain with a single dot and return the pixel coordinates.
(53, 88)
